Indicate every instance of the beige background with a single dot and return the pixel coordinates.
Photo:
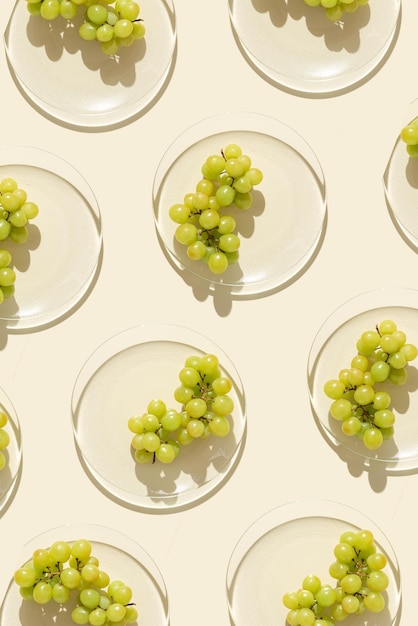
(352, 135)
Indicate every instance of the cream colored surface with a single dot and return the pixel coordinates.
(268, 338)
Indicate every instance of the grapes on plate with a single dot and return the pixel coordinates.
(360, 400)
(409, 135)
(15, 213)
(4, 438)
(361, 583)
(208, 233)
(69, 574)
(205, 405)
(335, 9)
(113, 24)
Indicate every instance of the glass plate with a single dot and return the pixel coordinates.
(298, 48)
(103, 90)
(58, 262)
(119, 380)
(13, 452)
(288, 543)
(281, 231)
(118, 555)
(400, 183)
(332, 350)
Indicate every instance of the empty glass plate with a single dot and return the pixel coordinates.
(73, 81)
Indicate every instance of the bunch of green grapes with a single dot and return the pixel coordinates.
(205, 406)
(4, 438)
(359, 399)
(228, 179)
(358, 568)
(70, 575)
(112, 24)
(335, 9)
(409, 135)
(15, 212)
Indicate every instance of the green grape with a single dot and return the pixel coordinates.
(290, 600)
(90, 572)
(196, 407)
(374, 602)
(225, 195)
(50, 9)
(376, 561)
(70, 577)
(97, 617)
(325, 596)
(68, 10)
(60, 552)
(90, 598)
(306, 617)
(60, 593)
(195, 428)
(218, 262)
(196, 250)
(87, 31)
(171, 420)
(373, 438)
(116, 612)
(229, 242)
(131, 614)
(80, 615)
(123, 28)
(130, 11)
(81, 549)
(231, 151)
(97, 14)
(105, 33)
(42, 592)
(179, 213)
(25, 576)
(186, 233)
(341, 409)
(219, 426)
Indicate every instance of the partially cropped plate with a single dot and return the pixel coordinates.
(72, 81)
(332, 350)
(298, 48)
(118, 555)
(290, 542)
(400, 182)
(9, 475)
(281, 231)
(118, 381)
(59, 261)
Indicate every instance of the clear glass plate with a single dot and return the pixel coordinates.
(280, 232)
(57, 264)
(119, 380)
(332, 350)
(103, 91)
(274, 555)
(118, 555)
(298, 48)
(400, 181)
(13, 453)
